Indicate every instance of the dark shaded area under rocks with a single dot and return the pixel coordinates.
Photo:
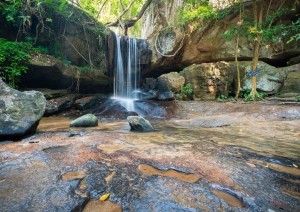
(207, 156)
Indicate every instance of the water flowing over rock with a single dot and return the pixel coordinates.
(20, 112)
(138, 123)
(127, 69)
(88, 120)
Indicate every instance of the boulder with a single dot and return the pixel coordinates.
(166, 96)
(291, 83)
(111, 109)
(138, 123)
(20, 112)
(170, 82)
(209, 80)
(150, 83)
(294, 60)
(88, 120)
(269, 80)
(60, 104)
(86, 102)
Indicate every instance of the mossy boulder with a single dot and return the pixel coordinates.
(138, 123)
(88, 120)
(20, 112)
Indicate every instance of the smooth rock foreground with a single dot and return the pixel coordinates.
(20, 112)
(182, 166)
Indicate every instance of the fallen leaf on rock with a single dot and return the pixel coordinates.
(104, 197)
(295, 165)
(82, 186)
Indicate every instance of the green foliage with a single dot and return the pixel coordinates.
(297, 98)
(84, 68)
(192, 12)
(222, 98)
(246, 95)
(294, 29)
(19, 12)
(195, 10)
(185, 92)
(270, 31)
(13, 59)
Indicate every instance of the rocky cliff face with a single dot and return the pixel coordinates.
(70, 34)
(175, 47)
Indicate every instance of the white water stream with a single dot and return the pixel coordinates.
(127, 72)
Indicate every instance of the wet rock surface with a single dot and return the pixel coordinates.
(60, 104)
(250, 164)
(86, 102)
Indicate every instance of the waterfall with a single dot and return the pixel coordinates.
(127, 71)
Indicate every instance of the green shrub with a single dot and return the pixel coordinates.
(222, 98)
(185, 93)
(13, 59)
(246, 95)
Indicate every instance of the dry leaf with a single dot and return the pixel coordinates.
(104, 197)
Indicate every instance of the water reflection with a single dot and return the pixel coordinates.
(278, 138)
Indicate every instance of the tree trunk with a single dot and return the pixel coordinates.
(257, 23)
(237, 68)
(254, 66)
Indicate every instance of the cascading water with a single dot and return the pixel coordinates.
(127, 72)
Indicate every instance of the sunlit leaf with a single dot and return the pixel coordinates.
(104, 197)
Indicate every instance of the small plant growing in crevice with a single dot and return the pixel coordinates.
(185, 92)
(246, 95)
(222, 98)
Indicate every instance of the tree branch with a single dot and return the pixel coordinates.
(115, 23)
(131, 22)
(101, 8)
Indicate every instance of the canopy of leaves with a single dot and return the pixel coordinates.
(272, 29)
(195, 10)
(112, 9)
